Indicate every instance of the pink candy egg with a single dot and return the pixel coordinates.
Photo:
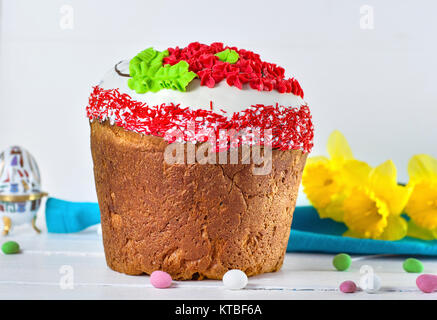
(348, 287)
(427, 283)
(160, 279)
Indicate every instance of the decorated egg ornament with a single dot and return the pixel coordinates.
(20, 188)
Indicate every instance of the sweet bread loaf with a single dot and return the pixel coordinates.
(197, 217)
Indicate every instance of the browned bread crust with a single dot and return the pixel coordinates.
(193, 221)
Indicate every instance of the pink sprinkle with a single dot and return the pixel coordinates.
(348, 287)
(427, 283)
(160, 279)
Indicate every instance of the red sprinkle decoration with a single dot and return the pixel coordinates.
(291, 127)
(249, 69)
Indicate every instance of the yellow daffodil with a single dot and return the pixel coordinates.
(325, 180)
(373, 208)
(422, 205)
(415, 231)
(369, 201)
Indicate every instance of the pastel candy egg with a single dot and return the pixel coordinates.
(10, 247)
(99, 230)
(160, 279)
(370, 283)
(342, 261)
(235, 279)
(348, 287)
(413, 265)
(427, 283)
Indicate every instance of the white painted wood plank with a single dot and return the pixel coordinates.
(35, 274)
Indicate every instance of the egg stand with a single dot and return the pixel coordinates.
(7, 222)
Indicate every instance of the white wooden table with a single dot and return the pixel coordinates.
(72, 266)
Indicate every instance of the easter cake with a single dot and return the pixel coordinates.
(198, 154)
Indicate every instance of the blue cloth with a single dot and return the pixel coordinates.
(309, 233)
(66, 217)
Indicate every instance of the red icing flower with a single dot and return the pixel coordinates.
(257, 84)
(249, 68)
(234, 80)
(206, 78)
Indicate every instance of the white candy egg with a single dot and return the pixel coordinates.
(99, 230)
(370, 283)
(235, 279)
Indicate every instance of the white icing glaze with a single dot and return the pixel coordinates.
(230, 99)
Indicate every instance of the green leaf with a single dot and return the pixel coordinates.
(228, 55)
(148, 73)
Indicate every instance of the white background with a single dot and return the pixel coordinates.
(377, 86)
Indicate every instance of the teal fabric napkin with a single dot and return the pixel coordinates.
(309, 233)
(67, 217)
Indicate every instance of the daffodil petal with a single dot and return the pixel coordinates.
(383, 175)
(383, 181)
(356, 172)
(396, 229)
(426, 219)
(422, 166)
(365, 214)
(415, 231)
(338, 148)
(398, 198)
(422, 204)
(334, 210)
(320, 183)
(317, 160)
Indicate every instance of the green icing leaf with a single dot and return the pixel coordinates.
(148, 73)
(228, 55)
